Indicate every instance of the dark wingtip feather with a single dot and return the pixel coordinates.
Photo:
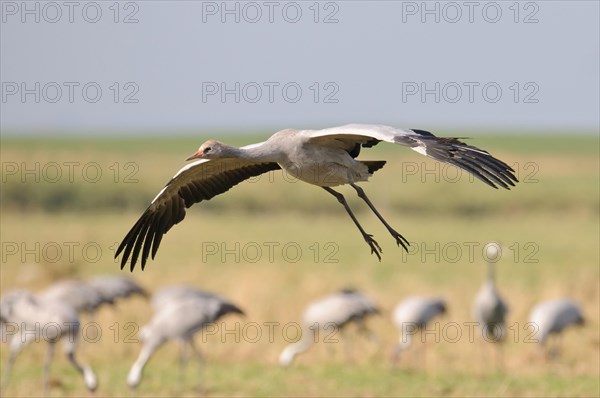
(143, 240)
(423, 133)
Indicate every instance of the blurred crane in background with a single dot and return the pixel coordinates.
(51, 321)
(489, 309)
(412, 315)
(551, 318)
(179, 315)
(330, 313)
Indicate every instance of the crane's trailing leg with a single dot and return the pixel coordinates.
(16, 345)
(368, 333)
(89, 378)
(400, 240)
(368, 238)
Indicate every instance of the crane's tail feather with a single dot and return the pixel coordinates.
(373, 165)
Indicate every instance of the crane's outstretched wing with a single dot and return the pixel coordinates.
(198, 181)
(476, 161)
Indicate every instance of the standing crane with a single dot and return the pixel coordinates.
(489, 309)
(178, 319)
(551, 317)
(413, 314)
(331, 312)
(51, 321)
(325, 158)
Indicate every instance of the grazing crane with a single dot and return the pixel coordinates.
(552, 317)
(413, 314)
(325, 158)
(178, 319)
(489, 309)
(332, 312)
(51, 321)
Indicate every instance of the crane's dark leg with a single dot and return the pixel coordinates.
(368, 238)
(89, 377)
(47, 361)
(400, 240)
(368, 333)
(182, 364)
(16, 345)
(9, 364)
(200, 386)
(347, 345)
(499, 356)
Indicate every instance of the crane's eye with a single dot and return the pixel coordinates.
(207, 149)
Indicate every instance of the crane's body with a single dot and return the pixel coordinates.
(49, 320)
(490, 311)
(76, 293)
(114, 287)
(178, 316)
(175, 293)
(334, 311)
(489, 308)
(413, 314)
(553, 316)
(88, 296)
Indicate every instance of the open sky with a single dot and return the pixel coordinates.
(84, 67)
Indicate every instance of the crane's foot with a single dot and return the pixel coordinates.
(375, 248)
(400, 240)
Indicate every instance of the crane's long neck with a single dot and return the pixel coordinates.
(491, 273)
(135, 374)
(290, 352)
(262, 152)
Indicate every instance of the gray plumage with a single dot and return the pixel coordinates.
(553, 316)
(52, 321)
(88, 296)
(79, 294)
(114, 287)
(325, 158)
(166, 295)
(489, 309)
(178, 316)
(333, 311)
(412, 315)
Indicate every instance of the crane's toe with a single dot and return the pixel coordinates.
(400, 240)
(375, 248)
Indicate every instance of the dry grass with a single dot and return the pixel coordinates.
(549, 231)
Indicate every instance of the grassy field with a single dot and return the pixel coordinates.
(273, 245)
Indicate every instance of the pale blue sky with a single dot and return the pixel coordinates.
(533, 66)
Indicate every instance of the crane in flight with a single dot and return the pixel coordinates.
(325, 158)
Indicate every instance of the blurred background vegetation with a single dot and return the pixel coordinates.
(62, 191)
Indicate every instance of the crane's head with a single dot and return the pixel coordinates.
(211, 149)
(493, 252)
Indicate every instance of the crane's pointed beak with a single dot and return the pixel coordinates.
(198, 154)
